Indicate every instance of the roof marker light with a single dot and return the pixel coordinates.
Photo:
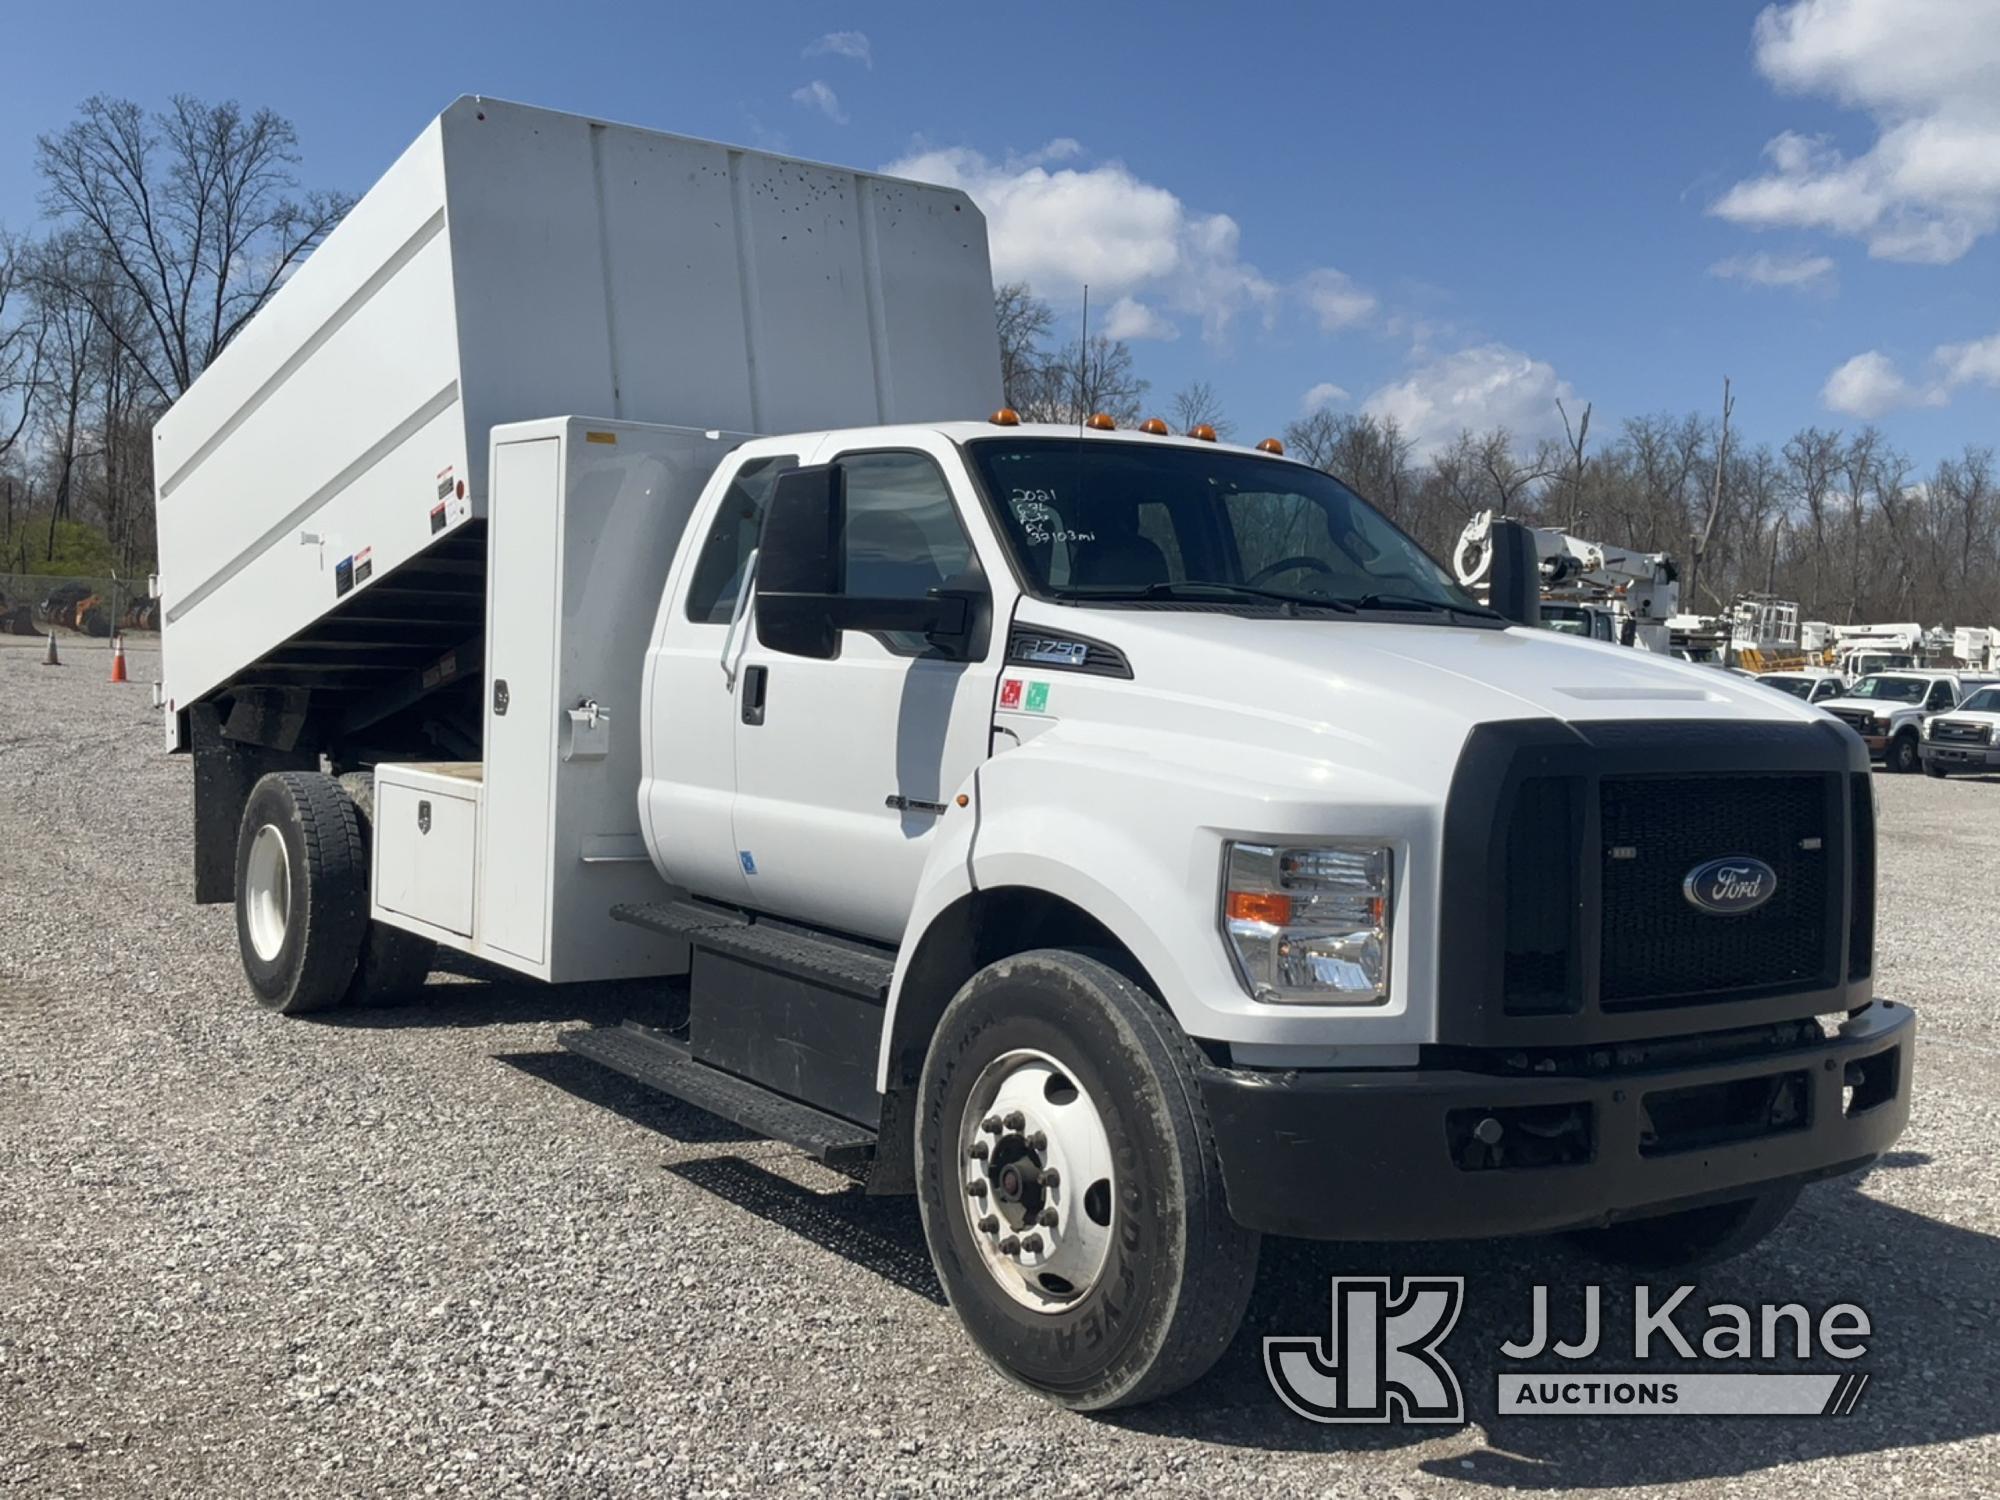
(1005, 417)
(1154, 426)
(1271, 445)
(1203, 431)
(1101, 422)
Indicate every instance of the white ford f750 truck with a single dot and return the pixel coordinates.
(1127, 843)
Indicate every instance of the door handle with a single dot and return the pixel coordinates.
(753, 694)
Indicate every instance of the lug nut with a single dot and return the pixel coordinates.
(1039, 1140)
(1015, 1119)
(1032, 1243)
(977, 1187)
(989, 1225)
(1051, 1178)
(991, 1124)
(1011, 1245)
(977, 1151)
(1046, 1218)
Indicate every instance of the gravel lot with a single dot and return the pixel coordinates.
(425, 1252)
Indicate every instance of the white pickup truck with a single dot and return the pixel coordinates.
(1128, 843)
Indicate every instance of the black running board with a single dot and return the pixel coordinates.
(660, 1063)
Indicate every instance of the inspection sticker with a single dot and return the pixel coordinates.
(1038, 697)
(1010, 693)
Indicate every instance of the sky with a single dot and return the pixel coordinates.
(1452, 213)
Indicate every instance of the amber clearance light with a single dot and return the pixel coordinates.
(1005, 417)
(1203, 431)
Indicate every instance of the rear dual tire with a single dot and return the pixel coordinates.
(302, 921)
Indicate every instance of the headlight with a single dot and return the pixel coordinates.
(1309, 925)
(1993, 735)
(1926, 729)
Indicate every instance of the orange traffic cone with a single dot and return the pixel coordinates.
(118, 659)
(51, 659)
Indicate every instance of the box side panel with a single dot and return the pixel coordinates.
(426, 853)
(332, 415)
(667, 280)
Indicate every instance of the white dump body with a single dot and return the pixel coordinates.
(516, 262)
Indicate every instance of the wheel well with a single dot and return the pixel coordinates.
(964, 938)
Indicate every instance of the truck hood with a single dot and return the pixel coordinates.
(1345, 709)
(1880, 707)
(1340, 672)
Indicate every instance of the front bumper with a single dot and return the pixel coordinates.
(1393, 1155)
(1962, 757)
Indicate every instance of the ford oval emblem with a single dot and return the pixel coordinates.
(1730, 887)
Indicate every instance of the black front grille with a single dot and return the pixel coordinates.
(1860, 720)
(1861, 899)
(1540, 965)
(1958, 731)
(1657, 946)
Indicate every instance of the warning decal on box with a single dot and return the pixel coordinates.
(343, 576)
(437, 518)
(444, 482)
(364, 565)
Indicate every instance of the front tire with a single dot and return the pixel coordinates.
(1693, 1237)
(1904, 755)
(301, 891)
(1069, 1185)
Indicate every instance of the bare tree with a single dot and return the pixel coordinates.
(1087, 377)
(1196, 404)
(1575, 439)
(1700, 538)
(1024, 321)
(22, 339)
(191, 213)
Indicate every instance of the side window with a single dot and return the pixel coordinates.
(904, 537)
(732, 537)
(1940, 697)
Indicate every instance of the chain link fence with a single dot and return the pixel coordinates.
(36, 603)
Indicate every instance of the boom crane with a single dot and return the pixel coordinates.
(1591, 589)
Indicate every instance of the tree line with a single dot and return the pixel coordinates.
(164, 232)
(1842, 522)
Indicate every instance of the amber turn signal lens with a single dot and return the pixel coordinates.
(1271, 445)
(1005, 417)
(1101, 422)
(1203, 431)
(1267, 907)
(1154, 426)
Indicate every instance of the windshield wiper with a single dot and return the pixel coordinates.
(1194, 588)
(1411, 601)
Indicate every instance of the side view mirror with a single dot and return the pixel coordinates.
(1514, 586)
(802, 602)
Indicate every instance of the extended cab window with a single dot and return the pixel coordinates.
(732, 536)
(904, 538)
(1940, 696)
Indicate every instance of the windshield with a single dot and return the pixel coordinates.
(1096, 520)
(1798, 687)
(1985, 701)
(1890, 689)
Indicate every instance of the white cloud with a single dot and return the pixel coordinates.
(1480, 388)
(1870, 384)
(1321, 396)
(1130, 318)
(1867, 386)
(819, 95)
(852, 44)
(1334, 299)
(1059, 226)
(1928, 72)
(1805, 272)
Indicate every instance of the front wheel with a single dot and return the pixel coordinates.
(1069, 1185)
(1694, 1236)
(1904, 756)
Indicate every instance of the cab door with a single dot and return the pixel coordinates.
(688, 791)
(845, 767)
